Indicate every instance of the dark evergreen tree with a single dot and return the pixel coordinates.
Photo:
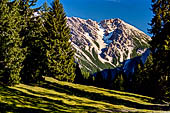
(27, 14)
(109, 81)
(99, 81)
(161, 46)
(79, 76)
(34, 67)
(11, 53)
(32, 36)
(142, 78)
(119, 81)
(45, 8)
(60, 55)
(82, 77)
(91, 80)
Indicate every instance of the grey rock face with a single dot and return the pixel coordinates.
(110, 42)
(79, 28)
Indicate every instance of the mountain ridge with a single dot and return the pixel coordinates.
(105, 44)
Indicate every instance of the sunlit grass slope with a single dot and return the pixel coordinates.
(56, 96)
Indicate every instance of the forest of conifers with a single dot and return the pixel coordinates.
(34, 42)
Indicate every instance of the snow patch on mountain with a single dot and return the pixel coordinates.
(80, 51)
(107, 38)
(100, 40)
(91, 42)
(107, 43)
(130, 52)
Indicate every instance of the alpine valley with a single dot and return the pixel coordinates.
(106, 45)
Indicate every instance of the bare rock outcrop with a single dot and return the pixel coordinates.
(109, 41)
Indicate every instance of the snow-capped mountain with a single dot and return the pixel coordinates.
(105, 44)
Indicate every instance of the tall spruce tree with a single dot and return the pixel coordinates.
(34, 68)
(32, 35)
(119, 81)
(161, 46)
(109, 81)
(99, 78)
(142, 79)
(59, 53)
(26, 13)
(11, 53)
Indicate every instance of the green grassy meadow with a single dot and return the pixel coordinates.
(53, 96)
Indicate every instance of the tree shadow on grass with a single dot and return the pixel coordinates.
(100, 97)
(61, 98)
(4, 108)
(11, 98)
(39, 103)
(135, 96)
(7, 106)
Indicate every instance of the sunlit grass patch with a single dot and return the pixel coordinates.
(58, 96)
(117, 94)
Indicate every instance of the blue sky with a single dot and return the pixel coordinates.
(134, 12)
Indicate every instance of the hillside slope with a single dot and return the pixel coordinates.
(56, 96)
(105, 44)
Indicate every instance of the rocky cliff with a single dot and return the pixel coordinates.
(105, 44)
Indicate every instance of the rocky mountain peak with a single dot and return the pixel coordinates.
(110, 23)
(110, 42)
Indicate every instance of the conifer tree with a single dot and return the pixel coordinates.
(109, 81)
(11, 53)
(59, 53)
(119, 81)
(79, 76)
(32, 36)
(27, 15)
(161, 46)
(99, 79)
(82, 77)
(34, 68)
(142, 79)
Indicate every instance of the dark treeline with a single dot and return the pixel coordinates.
(153, 78)
(34, 42)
